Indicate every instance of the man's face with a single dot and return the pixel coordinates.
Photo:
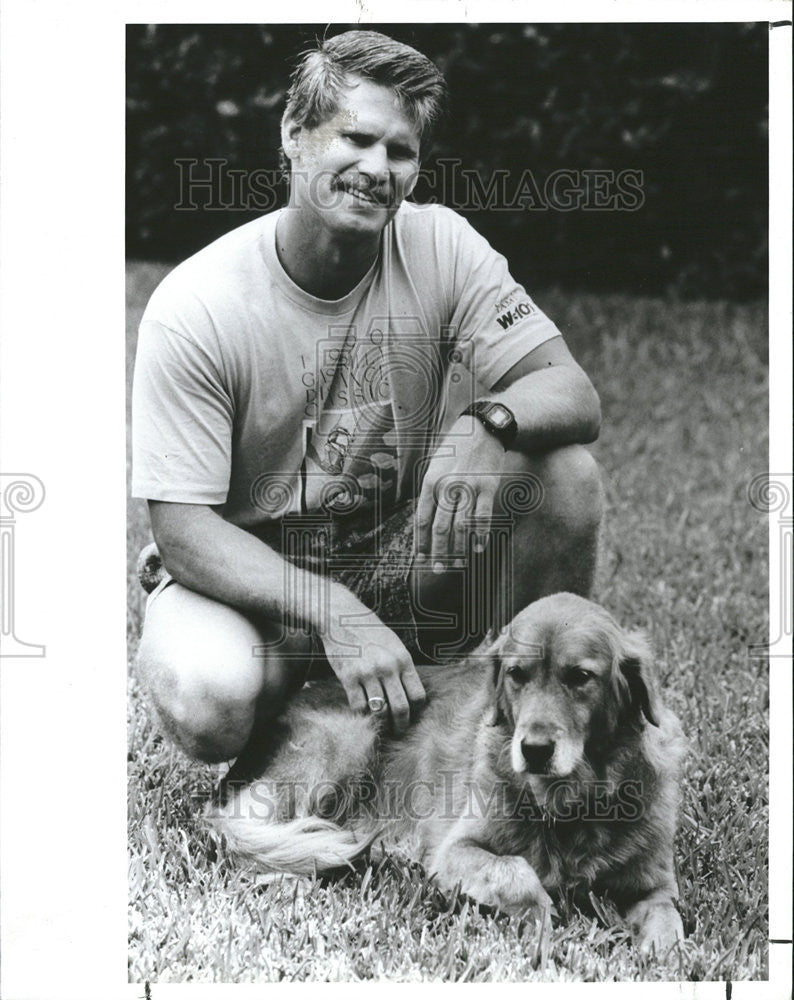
(351, 173)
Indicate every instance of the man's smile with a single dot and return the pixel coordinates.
(365, 194)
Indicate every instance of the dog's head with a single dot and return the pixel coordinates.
(566, 679)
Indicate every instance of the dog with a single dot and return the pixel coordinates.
(543, 766)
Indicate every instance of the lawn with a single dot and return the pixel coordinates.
(684, 396)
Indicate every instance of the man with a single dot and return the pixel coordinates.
(288, 405)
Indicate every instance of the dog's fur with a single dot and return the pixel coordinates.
(543, 765)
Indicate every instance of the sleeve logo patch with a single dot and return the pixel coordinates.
(510, 316)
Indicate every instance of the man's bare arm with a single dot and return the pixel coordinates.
(554, 404)
(216, 558)
(553, 400)
(207, 554)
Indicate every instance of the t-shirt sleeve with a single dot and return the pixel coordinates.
(181, 420)
(491, 312)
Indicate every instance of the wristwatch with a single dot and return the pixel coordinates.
(496, 418)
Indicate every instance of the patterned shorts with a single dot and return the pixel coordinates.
(373, 562)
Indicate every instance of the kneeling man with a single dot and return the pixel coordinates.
(359, 438)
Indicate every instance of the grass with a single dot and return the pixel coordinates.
(683, 388)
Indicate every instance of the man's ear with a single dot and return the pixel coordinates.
(408, 188)
(636, 665)
(291, 133)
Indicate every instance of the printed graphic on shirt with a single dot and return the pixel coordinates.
(513, 308)
(350, 443)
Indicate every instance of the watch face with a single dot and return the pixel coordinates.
(499, 416)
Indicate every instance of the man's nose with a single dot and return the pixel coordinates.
(537, 756)
(374, 162)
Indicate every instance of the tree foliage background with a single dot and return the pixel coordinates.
(685, 104)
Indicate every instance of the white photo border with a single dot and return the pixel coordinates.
(62, 715)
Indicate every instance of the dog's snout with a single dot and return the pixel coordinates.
(537, 755)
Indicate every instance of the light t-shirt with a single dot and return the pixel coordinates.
(254, 396)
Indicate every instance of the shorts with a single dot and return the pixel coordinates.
(373, 561)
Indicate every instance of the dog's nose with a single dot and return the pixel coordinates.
(537, 755)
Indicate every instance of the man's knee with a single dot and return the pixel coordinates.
(204, 704)
(207, 670)
(562, 486)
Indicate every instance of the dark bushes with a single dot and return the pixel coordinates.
(625, 156)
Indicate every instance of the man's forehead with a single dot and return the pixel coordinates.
(365, 104)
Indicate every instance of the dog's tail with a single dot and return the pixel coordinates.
(308, 845)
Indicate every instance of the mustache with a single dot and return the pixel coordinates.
(380, 193)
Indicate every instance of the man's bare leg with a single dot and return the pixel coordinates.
(554, 548)
(215, 675)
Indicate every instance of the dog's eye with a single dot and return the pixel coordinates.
(514, 673)
(577, 677)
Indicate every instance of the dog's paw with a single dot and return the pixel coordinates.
(510, 884)
(656, 929)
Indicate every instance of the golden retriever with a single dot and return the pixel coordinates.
(543, 765)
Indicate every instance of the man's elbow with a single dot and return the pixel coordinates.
(593, 421)
(173, 559)
(171, 553)
(590, 412)
(173, 527)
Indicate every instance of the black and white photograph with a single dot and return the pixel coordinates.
(455, 415)
(447, 541)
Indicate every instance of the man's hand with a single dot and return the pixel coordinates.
(458, 494)
(371, 662)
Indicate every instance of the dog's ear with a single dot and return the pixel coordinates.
(635, 662)
(491, 651)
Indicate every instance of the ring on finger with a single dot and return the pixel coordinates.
(376, 705)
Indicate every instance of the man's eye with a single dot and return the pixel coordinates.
(577, 677)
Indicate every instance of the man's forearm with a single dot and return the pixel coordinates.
(213, 557)
(554, 406)
(224, 562)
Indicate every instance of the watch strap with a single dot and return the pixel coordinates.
(481, 410)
